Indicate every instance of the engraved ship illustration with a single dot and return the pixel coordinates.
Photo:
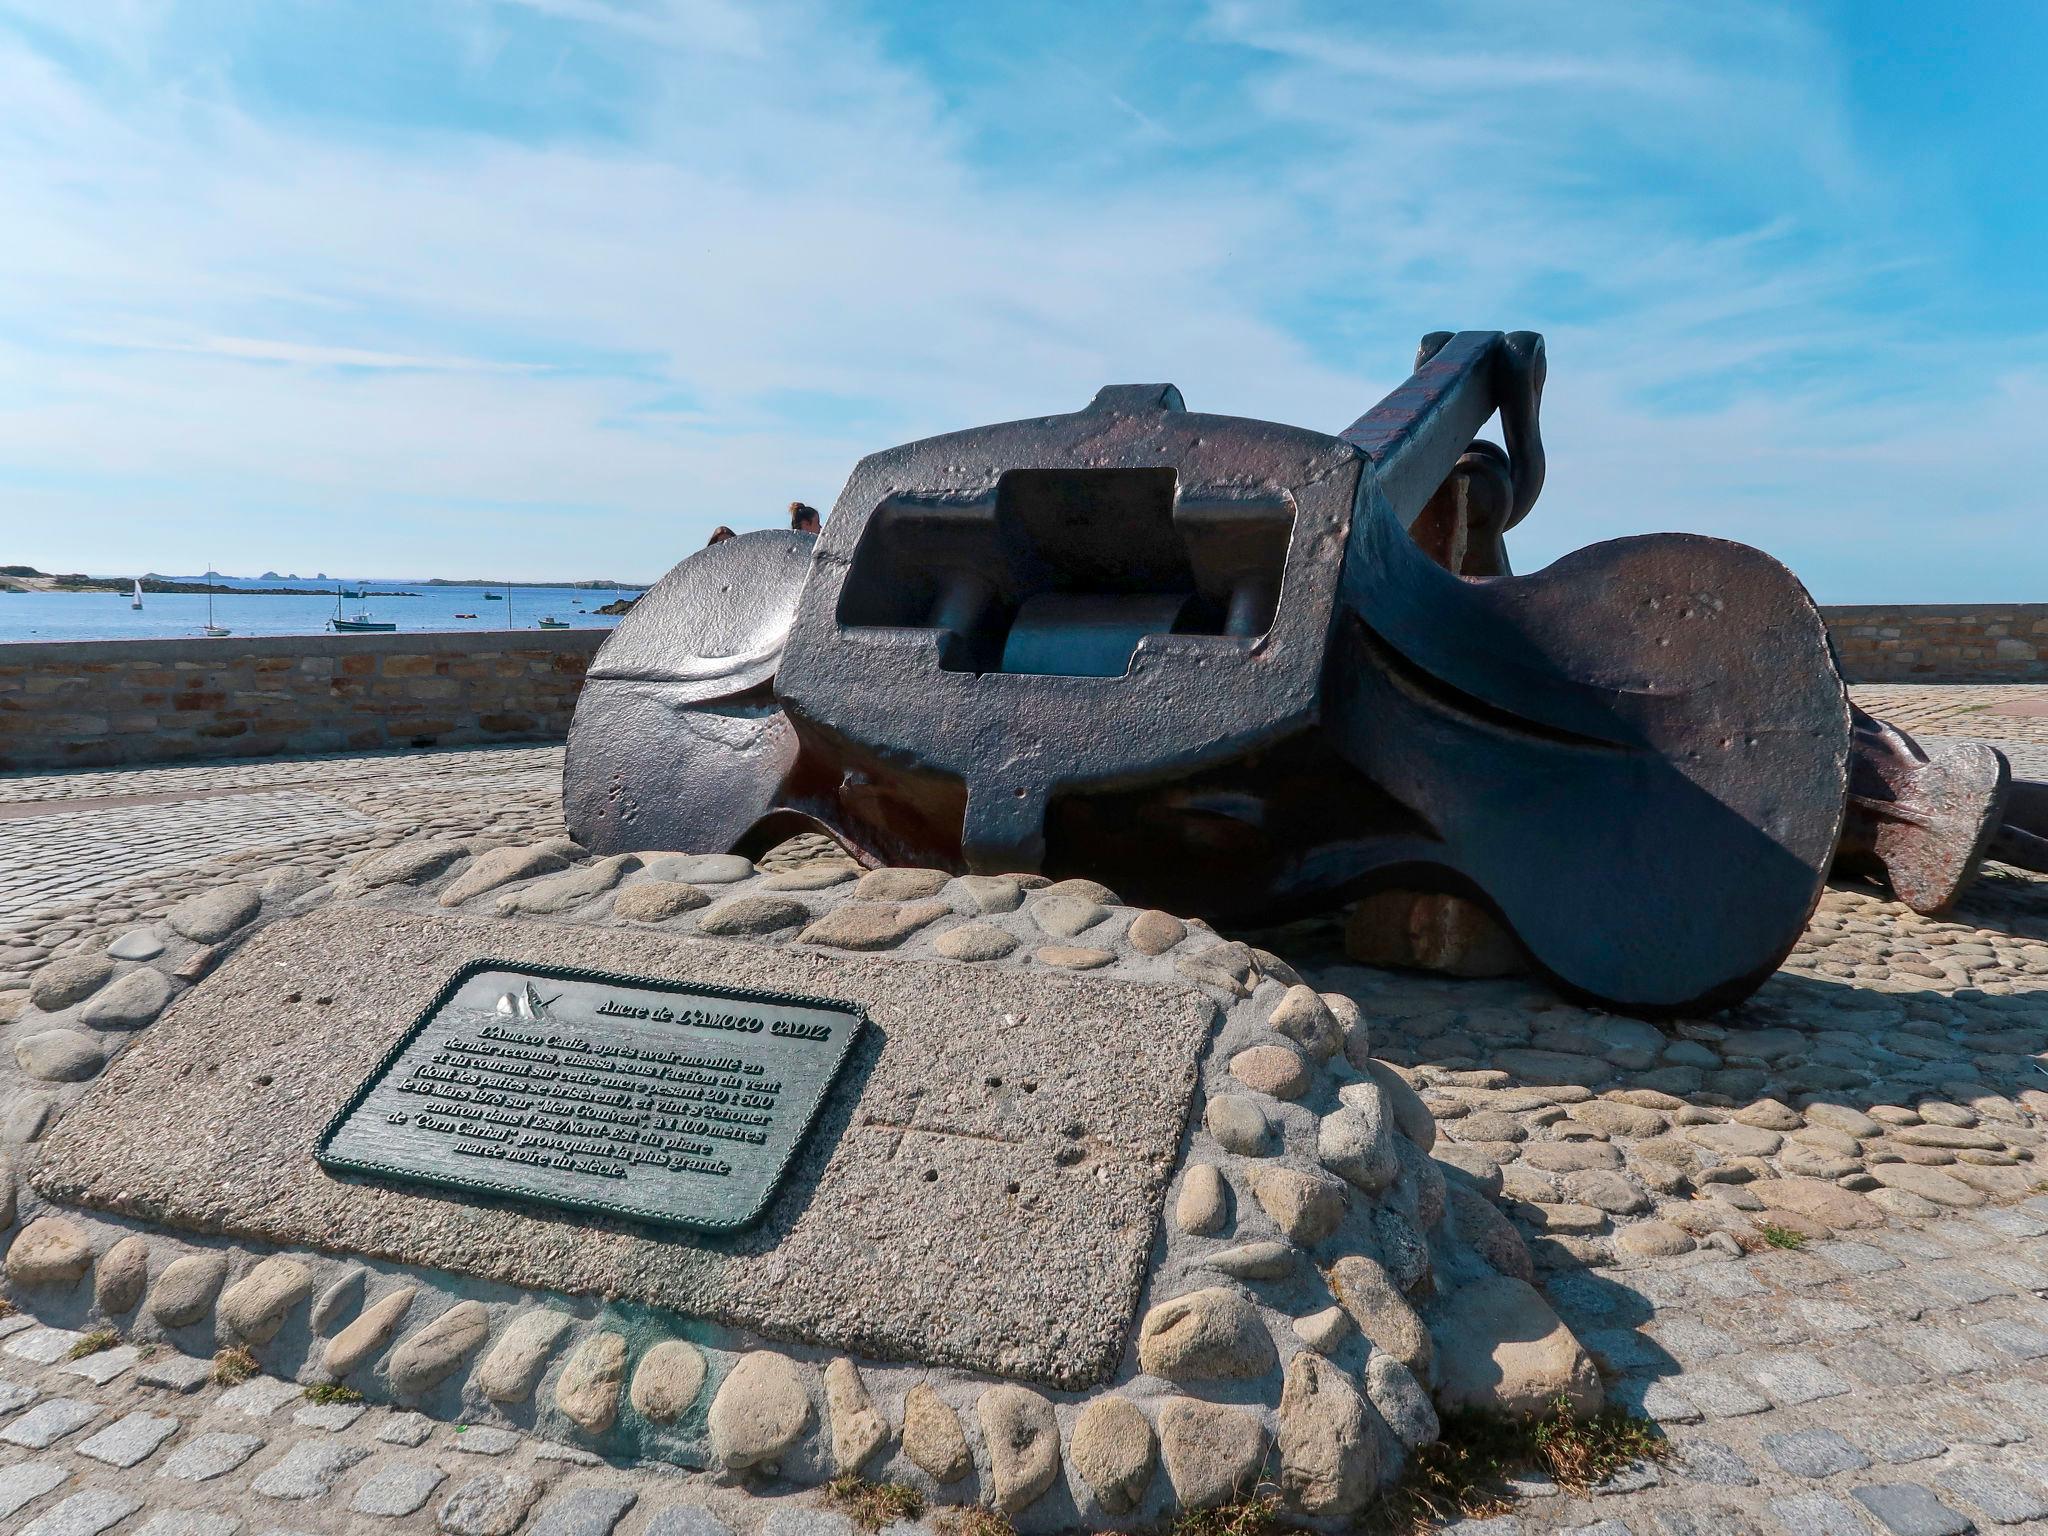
(526, 1004)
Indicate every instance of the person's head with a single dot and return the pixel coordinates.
(804, 519)
(719, 535)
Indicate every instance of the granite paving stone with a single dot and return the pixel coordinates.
(1995, 1494)
(129, 1440)
(685, 1520)
(309, 1470)
(43, 1346)
(1709, 1461)
(1818, 1514)
(406, 1429)
(1911, 1509)
(48, 1422)
(397, 1488)
(1814, 1453)
(175, 1373)
(102, 1366)
(1794, 1379)
(190, 1522)
(206, 1457)
(594, 1511)
(85, 1513)
(26, 1481)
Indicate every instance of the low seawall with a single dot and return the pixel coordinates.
(98, 703)
(1942, 642)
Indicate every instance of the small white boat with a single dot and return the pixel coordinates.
(136, 600)
(212, 630)
(551, 622)
(361, 624)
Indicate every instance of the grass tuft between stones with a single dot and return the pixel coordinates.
(870, 1506)
(325, 1392)
(1775, 1236)
(1252, 1514)
(93, 1343)
(974, 1520)
(1465, 1474)
(233, 1366)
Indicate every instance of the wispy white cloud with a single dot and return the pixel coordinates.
(429, 342)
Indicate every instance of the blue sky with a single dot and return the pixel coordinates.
(548, 288)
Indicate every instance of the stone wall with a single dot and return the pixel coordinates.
(1942, 643)
(102, 702)
(95, 703)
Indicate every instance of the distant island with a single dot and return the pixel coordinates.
(26, 578)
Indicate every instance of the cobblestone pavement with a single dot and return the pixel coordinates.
(1884, 1379)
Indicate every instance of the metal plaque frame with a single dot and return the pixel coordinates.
(327, 1158)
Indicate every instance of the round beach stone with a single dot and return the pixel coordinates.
(1228, 967)
(1113, 1450)
(1255, 1261)
(858, 1431)
(1502, 1350)
(341, 1299)
(1154, 933)
(1654, 1240)
(761, 1410)
(1213, 1334)
(901, 884)
(1401, 1400)
(59, 1056)
(136, 944)
(587, 1390)
(1928, 1183)
(543, 898)
(425, 1359)
(974, 941)
(872, 925)
(811, 877)
(751, 916)
(1204, 1202)
(1238, 1124)
(1274, 1069)
(130, 1002)
(1825, 1202)
(1365, 1290)
(186, 1288)
(1303, 1017)
(656, 901)
(1073, 957)
(407, 864)
(501, 866)
(704, 868)
(1617, 1119)
(212, 915)
(990, 893)
(1356, 1141)
(65, 983)
(1023, 1440)
(1306, 1207)
(932, 1437)
(1323, 1331)
(371, 1329)
(254, 1308)
(1212, 1452)
(667, 1380)
(1411, 1115)
(121, 1276)
(515, 1364)
(49, 1251)
(1063, 916)
(1329, 1461)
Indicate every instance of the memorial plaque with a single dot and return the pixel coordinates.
(657, 1100)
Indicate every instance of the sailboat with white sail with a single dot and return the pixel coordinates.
(212, 630)
(136, 600)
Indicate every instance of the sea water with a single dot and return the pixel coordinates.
(164, 615)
